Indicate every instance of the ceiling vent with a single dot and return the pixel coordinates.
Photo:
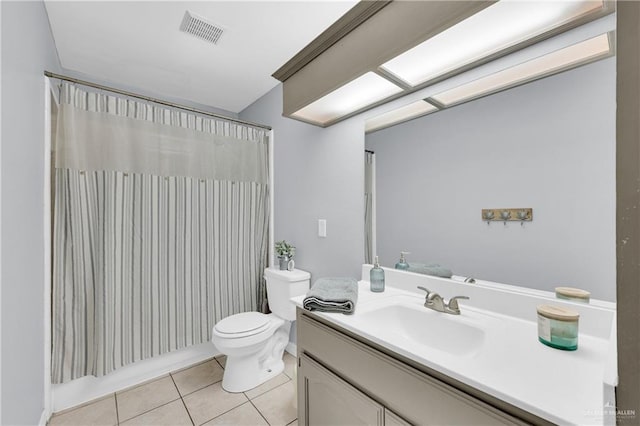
(201, 28)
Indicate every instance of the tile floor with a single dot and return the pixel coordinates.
(192, 396)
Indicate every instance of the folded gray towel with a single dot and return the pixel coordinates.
(332, 295)
(430, 269)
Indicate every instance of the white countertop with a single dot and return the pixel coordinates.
(564, 387)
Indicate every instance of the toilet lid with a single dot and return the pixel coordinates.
(241, 325)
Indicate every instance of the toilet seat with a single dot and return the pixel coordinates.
(242, 325)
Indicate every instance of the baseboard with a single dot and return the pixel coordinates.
(292, 348)
(88, 388)
(44, 418)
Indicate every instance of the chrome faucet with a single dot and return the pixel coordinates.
(434, 301)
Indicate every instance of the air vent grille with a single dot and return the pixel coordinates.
(201, 28)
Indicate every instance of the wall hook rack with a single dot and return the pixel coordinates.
(508, 215)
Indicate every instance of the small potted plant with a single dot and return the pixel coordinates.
(285, 252)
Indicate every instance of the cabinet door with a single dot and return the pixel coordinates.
(325, 399)
(392, 419)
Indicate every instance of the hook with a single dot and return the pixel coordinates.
(505, 215)
(522, 215)
(488, 215)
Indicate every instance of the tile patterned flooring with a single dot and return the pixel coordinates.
(192, 396)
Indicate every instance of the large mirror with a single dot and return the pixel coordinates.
(548, 145)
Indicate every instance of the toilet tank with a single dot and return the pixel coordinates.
(282, 286)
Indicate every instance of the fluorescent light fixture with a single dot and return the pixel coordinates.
(566, 58)
(498, 27)
(399, 115)
(361, 92)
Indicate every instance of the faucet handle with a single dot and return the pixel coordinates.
(430, 299)
(453, 304)
(425, 289)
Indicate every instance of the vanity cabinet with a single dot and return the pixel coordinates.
(343, 379)
(329, 400)
(392, 419)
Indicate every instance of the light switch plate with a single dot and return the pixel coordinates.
(322, 227)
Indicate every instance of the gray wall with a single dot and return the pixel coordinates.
(27, 50)
(549, 145)
(319, 174)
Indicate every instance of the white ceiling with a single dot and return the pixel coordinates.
(139, 44)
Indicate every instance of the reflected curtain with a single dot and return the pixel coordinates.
(160, 229)
(369, 187)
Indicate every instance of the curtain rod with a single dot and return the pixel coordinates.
(369, 151)
(154, 100)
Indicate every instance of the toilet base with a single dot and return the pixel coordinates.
(237, 378)
(243, 373)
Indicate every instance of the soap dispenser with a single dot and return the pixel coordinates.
(376, 278)
(402, 263)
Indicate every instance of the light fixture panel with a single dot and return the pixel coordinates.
(399, 115)
(498, 27)
(359, 93)
(569, 57)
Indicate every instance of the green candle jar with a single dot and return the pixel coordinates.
(558, 327)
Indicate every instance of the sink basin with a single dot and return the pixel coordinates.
(452, 334)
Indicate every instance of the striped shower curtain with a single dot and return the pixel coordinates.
(160, 230)
(369, 231)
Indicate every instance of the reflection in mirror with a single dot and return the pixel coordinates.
(548, 145)
(369, 207)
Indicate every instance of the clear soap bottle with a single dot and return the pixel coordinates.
(376, 278)
(402, 263)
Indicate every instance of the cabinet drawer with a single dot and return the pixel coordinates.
(418, 397)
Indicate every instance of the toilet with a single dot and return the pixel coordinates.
(254, 342)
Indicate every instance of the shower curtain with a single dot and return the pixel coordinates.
(369, 231)
(160, 229)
